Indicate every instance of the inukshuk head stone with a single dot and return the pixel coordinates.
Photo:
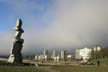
(15, 55)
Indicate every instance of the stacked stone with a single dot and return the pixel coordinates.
(16, 56)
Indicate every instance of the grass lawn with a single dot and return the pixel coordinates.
(61, 68)
(54, 68)
(19, 69)
(80, 68)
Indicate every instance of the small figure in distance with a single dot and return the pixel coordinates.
(98, 63)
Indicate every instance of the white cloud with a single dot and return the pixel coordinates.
(79, 23)
(5, 42)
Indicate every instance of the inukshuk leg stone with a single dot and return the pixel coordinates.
(15, 54)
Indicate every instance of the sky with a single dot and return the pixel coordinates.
(54, 23)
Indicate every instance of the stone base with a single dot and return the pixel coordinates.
(16, 59)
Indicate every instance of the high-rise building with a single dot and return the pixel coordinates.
(54, 54)
(46, 55)
(62, 54)
(78, 54)
(45, 52)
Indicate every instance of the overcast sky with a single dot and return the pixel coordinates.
(54, 23)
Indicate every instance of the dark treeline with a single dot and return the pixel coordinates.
(103, 53)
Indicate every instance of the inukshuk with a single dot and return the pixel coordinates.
(15, 54)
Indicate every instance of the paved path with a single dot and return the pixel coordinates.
(3, 59)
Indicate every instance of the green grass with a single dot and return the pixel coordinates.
(66, 68)
(19, 69)
(80, 68)
(104, 61)
(84, 68)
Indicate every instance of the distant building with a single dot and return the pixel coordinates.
(54, 54)
(40, 57)
(69, 57)
(45, 52)
(78, 54)
(46, 55)
(56, 58)
(62, 54)
(84, 54)
(36, 57)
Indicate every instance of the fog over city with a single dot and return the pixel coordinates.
(54, 23)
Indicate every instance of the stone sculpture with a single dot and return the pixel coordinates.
(15, 54)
